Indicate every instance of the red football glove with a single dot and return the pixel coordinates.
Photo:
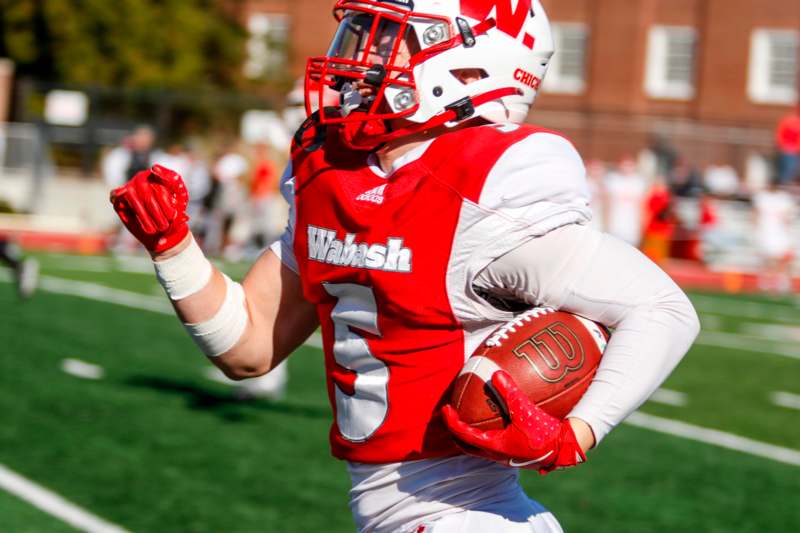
(533, 439)
(153, 208)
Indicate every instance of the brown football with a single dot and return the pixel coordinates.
(552, 356)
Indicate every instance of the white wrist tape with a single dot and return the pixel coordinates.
(221, 333)
(184, 274)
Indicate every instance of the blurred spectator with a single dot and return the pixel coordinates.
(263, 196)
(226, 230)
(2, 145)
(665, 155)
(775, 211)
(787, 138)
(625, 192)
(114, 165)
(596, 173)
(26, 271)
(713, 240)
(142, 151)
(684, 181)
(175, 158)
(659, 222)
(198, 183)
(294, 114)
(721, 180)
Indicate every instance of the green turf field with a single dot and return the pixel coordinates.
(154, 446)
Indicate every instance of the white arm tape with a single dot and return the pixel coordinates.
(184, 274)
(221, 333)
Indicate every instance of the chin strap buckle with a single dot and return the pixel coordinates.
(467, 35)
(463, 108)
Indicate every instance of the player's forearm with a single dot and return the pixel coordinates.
(654, 326)
(647, 345)
(215, 312)
(205, 292)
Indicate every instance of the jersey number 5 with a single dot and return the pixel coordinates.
(360, 414)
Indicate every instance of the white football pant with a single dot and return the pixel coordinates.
(541, 521)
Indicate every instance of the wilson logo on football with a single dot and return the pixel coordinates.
(553, 353)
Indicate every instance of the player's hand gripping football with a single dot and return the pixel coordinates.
(153, 208)
(533, 439)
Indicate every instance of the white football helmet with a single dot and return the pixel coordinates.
(406, 59)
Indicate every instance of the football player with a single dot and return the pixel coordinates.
(26, 270)
(423, 215)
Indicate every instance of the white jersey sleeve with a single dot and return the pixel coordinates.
(539, 184)
(580, 270)
(284, 247)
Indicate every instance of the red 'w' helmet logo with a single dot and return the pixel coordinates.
(509, 20)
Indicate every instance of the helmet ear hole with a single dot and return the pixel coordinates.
(469, 75)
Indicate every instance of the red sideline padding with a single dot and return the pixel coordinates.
(80, 243)
(694, 275)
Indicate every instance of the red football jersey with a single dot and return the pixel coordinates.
(387, 260)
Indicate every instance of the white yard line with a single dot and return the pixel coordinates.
(786, 399)
(82, 369)
(775, 312)
(101, 293)
(157, 304)
(741, 301)
(670, 397)
(53, 504)
(133, 264)
(748, 343)
(773, 332)
(708, 321)
(715, 437)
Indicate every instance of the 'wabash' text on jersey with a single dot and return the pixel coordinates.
(323, 246)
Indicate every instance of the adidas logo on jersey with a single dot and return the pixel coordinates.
(373, 195)
(323, 246)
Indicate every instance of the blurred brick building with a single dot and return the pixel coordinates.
(709, 77)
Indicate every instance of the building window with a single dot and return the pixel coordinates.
(670, 62)
(567, 70)
(267, 48)
(774, 66)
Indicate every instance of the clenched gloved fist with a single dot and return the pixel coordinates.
(152, 206)
(533, 439)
